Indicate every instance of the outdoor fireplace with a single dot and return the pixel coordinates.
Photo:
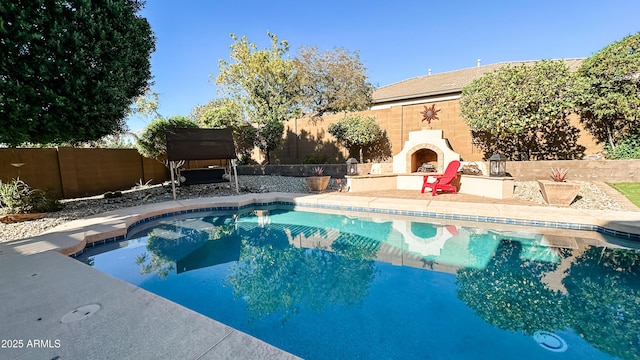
(428, 150)
(424, 147)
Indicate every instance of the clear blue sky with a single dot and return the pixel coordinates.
(396, 40)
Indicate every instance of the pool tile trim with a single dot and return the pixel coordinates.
(302, 205)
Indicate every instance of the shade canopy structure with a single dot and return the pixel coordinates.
(200, 144)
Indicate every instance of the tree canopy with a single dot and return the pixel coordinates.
(355, 130)
(265, 84)
(152, 143)
(332, 81)
(198, 113)
(610, 101)
(272, 88)
(522, 111)
(69, 70)
(227, 113)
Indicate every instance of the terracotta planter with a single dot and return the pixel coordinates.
(318, 183)
(559, 193)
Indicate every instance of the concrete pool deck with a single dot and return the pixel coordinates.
(54, 306)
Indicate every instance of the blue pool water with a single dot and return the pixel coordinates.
(327, 286)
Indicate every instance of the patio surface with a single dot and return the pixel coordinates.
(54, 307)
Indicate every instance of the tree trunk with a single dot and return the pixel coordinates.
(610, 138)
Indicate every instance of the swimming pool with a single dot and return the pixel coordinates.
(331, 286)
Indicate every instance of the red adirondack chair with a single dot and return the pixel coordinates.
(443, 181)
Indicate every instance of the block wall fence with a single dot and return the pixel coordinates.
(80, 172)
(71, 172)
(305, 136)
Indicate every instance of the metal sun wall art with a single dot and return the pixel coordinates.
(430, 113)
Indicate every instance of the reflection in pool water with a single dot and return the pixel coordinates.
(327, 286)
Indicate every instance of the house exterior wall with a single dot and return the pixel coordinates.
(304, 137)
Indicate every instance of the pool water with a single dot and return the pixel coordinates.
(325, 286)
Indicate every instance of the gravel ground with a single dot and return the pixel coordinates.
(590, 197)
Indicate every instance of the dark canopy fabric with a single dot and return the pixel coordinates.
(199, 144)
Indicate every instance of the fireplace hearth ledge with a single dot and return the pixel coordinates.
(486, 186)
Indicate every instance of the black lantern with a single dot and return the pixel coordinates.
(498, 165)
(352, 166)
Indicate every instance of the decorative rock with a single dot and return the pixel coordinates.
(589, 197)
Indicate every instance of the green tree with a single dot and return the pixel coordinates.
(197, 113)
(226, 113)
(522, 111)
(355, 130)
(124, 140)
(265, 84)
(146, 105)
(70, 69)
(610, 105)
(332, 81)
(152, 143)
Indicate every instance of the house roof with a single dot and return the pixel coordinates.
(444, 83)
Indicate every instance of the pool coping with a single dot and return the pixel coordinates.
(42, 283)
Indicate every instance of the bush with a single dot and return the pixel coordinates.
(13, 195)
(152, 143)
(42, 201)
(17, 197)
(627, 148)
(315, 158)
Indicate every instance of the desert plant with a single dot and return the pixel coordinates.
(143, 185)
(42, 201)
(17, 197)
(558, 174)
(13, 195)
(317, 171)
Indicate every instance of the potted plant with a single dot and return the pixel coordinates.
(559, 191)
(318, 182)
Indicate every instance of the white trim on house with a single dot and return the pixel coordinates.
(413, 102)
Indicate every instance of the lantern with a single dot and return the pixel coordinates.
(498, 165)
(352, 166)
